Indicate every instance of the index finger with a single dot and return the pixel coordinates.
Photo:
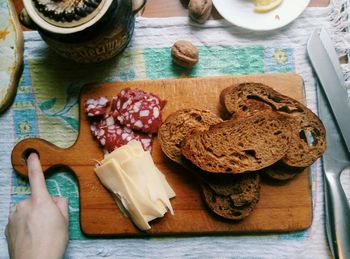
(36, 178)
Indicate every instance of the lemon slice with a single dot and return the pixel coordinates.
(263, 6)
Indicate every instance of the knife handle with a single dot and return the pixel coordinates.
(337, 216)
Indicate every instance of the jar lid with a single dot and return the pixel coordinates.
(66, 16)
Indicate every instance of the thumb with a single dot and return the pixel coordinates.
(62, 204)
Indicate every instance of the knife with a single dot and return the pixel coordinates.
(333, 94)
(334, 89)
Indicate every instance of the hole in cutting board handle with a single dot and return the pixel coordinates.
(27, 153)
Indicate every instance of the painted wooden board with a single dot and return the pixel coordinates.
(11, 53)
(281, 207)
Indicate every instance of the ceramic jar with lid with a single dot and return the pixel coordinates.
(83, 30)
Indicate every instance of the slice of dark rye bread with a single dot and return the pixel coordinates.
(232, 196)
(278, 171)
(180, 123)
(240, 145)
(241, 190)
(308, 140)
(281, 172)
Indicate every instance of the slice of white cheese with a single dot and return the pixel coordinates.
(156, 180)
(136, 148)
(143, 170)
(144, 204)
(111, 178)
(148, 208)
(170, 192)
(120, 154)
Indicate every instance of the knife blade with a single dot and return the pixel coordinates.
(336, 93)
(336, 157)
(330, 48)
(339, 153)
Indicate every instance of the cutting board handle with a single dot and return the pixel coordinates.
(50, 155)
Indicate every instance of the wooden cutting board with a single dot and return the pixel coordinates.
(282, 207)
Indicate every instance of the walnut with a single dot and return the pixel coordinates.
(200, 10)
(185, 2)
(184, 53)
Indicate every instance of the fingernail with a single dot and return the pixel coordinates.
(33, 155)
(30, 154)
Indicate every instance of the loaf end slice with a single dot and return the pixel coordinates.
(174, 129)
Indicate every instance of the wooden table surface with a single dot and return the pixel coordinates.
(167, 8)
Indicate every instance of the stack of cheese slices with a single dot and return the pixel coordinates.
(267, 133)
(138, 187)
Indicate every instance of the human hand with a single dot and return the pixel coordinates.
(38, 228)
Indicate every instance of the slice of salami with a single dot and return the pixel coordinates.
(146, 141)
(94, 127)
(138, 110)
(96, 107)
(116, 136)
(111, 135)
(108, 120)
(135, 95)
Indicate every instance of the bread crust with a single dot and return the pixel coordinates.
(180, 123)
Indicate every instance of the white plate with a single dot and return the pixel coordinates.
(242, 14)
